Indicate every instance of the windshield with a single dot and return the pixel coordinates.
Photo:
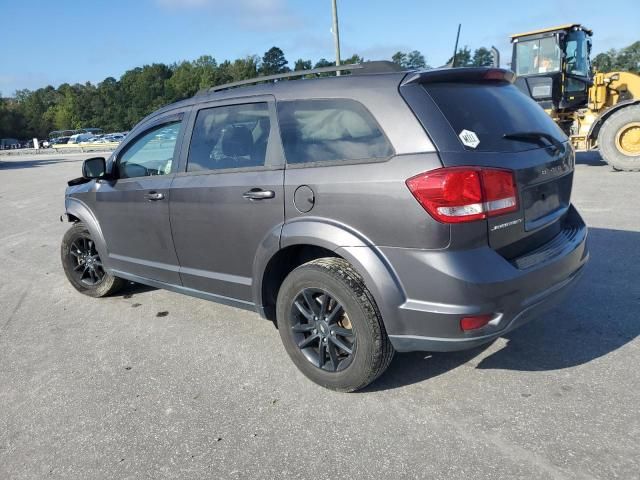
(577, 54)
(537, 56)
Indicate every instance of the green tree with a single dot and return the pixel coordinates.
(207, 70)
(482, 57)
(400, 58)
(110, 97)
(603, 62)
(352, 60)
(416, 60)
(143, 91)
(184, 81)
(323, 62)
(273, 62)
(12, 122)
(628, 59)
(302, 65)
(410, 61)
(240, 69)
(463, 58)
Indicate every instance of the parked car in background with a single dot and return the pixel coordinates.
(59, 141)
(9, 143)
(114, 137)
(79, 138)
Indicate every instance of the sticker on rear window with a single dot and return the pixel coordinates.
(469, 138)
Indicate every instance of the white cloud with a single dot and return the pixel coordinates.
(251, 14)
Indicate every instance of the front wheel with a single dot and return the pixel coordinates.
(331, 327)
(619, 139)
(83, 266)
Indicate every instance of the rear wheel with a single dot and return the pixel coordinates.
(331, 326)
(619, 139)
(83, 266)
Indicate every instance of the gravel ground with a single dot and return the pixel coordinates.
(152, 384)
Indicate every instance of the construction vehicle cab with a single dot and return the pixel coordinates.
(594, 109)
(552, 66)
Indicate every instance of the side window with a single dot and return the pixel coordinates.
(234, 136)
(151, 154)
(330, 130)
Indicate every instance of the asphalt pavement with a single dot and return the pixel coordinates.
(152, 384)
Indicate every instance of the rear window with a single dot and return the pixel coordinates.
(330, 130)
(491, 111)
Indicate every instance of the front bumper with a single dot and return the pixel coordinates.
(444, 286)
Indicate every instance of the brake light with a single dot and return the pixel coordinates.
(465, 194)
(497, 74)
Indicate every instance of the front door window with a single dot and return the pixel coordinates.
(151, 154)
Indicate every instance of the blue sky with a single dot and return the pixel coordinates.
(44, 42)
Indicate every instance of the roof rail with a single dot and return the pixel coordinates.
(382, 66)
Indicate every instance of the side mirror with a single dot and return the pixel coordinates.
(94, 167)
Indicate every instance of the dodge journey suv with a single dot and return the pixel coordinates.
(364, 214)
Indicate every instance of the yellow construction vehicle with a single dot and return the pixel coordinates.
(595, 109)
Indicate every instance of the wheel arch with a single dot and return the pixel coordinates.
(306, 239)
(78, 211)
(594, 130)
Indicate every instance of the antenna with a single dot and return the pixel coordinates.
(455, 49)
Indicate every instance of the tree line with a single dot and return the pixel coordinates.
(625, 59)
(116, 105)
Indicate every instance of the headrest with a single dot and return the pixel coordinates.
(237, 141)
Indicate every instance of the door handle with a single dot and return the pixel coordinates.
(258, 194)
(153, 196)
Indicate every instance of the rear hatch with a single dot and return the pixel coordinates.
(476, 117)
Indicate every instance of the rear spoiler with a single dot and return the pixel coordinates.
(467, 74)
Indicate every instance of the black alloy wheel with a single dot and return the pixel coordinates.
(85, 261)
(322, 330)
(83, 266)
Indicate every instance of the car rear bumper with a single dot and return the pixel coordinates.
(442, 287)
(549, 299)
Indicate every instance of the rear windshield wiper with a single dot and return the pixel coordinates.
(535, 137)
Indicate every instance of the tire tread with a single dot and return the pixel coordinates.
(383, 351)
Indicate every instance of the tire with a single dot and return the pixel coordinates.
(350, 318)
(622, 124)
(84, 273)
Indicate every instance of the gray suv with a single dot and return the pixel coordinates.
(364, 214)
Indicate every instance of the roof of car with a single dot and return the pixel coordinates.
(369, 85)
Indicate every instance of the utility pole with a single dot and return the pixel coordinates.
(336, 33)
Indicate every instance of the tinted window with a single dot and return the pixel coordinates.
(578, 54)
(151, 154)
(327, 130)
(234, 136)
(491, 110)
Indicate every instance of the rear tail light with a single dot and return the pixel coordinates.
(465, 194)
